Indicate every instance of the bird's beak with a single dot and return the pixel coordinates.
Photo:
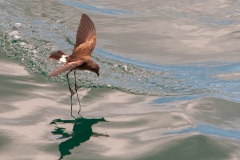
(98, 74)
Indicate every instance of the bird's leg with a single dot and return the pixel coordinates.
(70, 89)
(71, 106)
(76, 88)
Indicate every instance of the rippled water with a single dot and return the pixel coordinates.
(169, 84)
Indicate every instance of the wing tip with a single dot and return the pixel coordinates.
(85, 29)
(51, 74)
(88, 21)
(85, 16)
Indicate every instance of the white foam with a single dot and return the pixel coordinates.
(125, 67)
(18, 25)
(23, 45)
(17, 38)
(14, 33)
(34, 51)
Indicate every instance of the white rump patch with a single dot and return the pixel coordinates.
(63, 59)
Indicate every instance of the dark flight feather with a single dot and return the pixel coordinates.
(86, 28)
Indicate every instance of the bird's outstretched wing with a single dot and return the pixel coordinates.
(66, 67)
(85, 38)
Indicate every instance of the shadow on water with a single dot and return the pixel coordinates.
(81, 132)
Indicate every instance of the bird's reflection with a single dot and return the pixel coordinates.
(81, 132)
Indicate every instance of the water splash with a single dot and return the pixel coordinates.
(115, 72)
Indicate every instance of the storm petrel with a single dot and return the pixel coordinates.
(80, 59)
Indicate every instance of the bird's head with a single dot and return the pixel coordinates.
(96, 68)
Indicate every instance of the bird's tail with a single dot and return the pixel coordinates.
(59, 56)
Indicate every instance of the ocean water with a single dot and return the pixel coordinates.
(168, 89)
